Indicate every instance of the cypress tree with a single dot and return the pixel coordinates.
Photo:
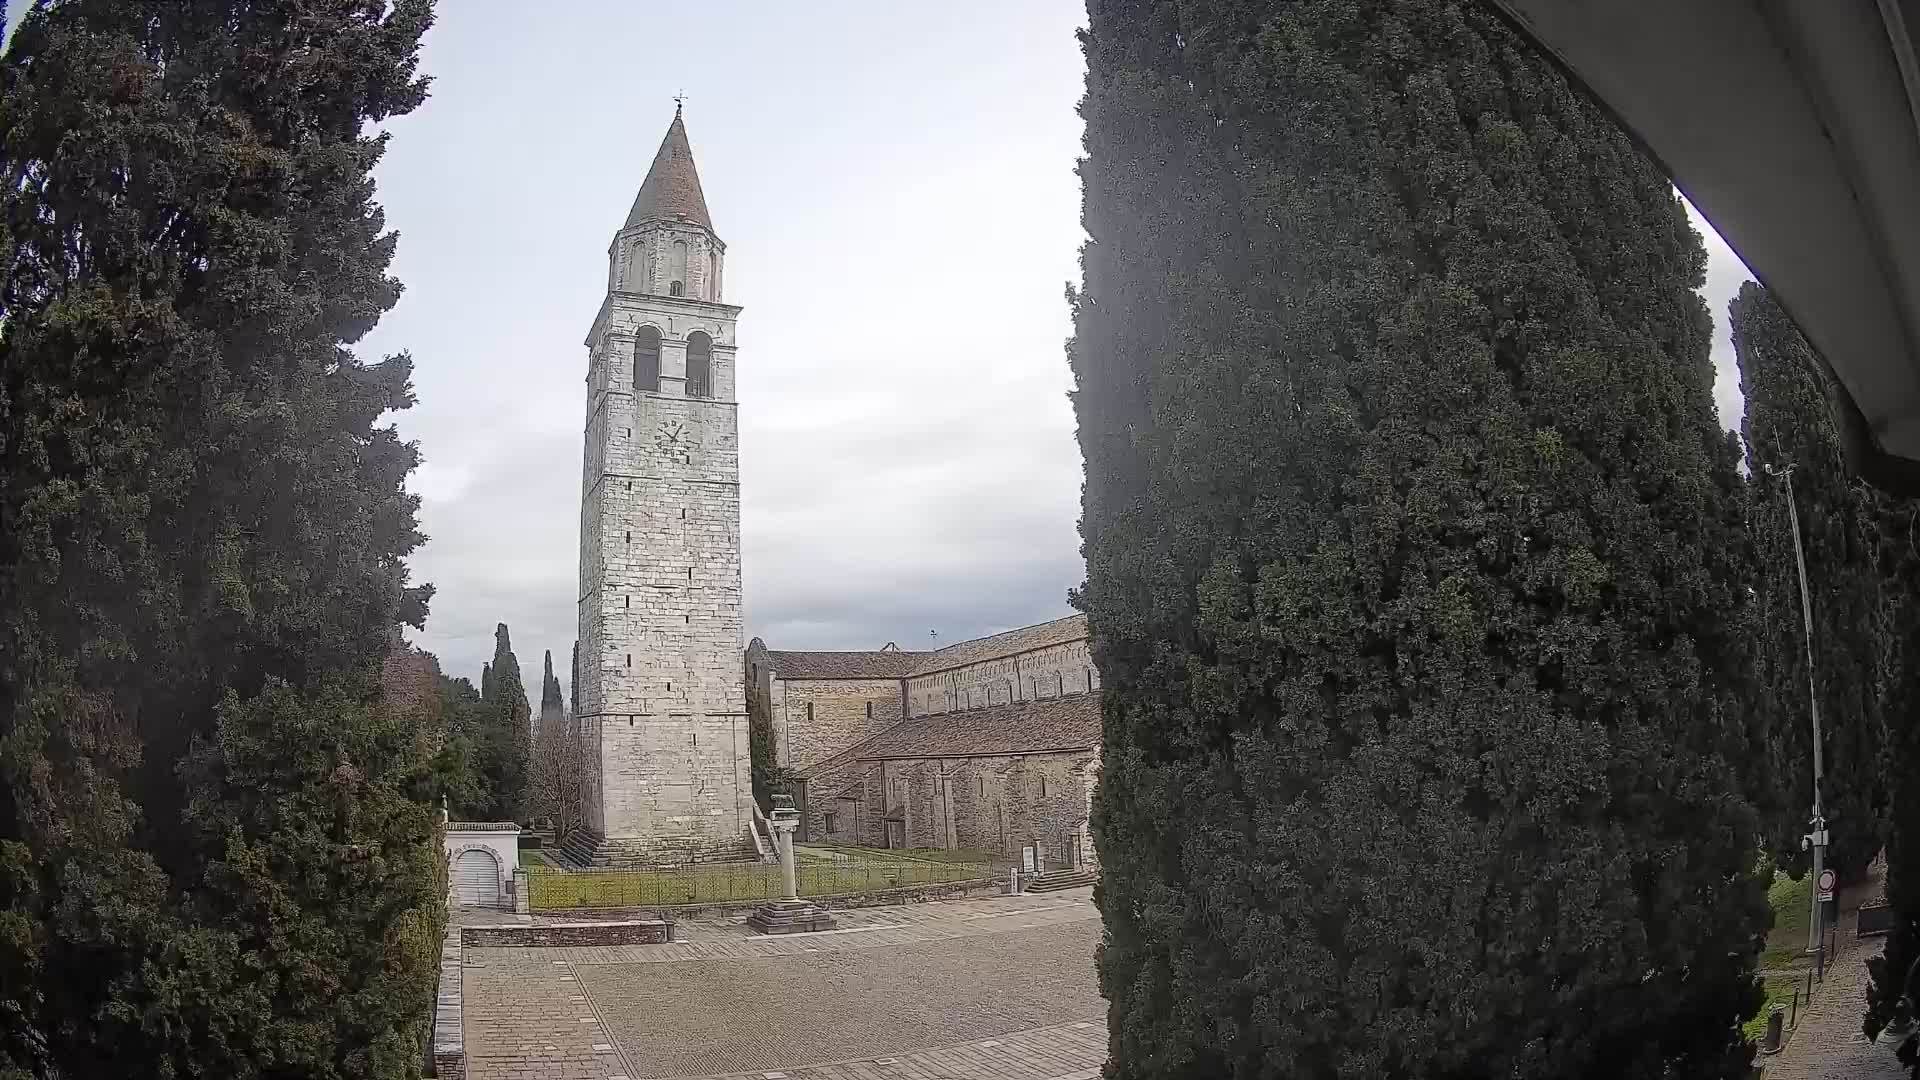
(1899, 530)
(202, 533)
(513, 727)
(1792, 420)
(553, 707)
(1415, 555)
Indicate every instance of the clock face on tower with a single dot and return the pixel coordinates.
(675, 442)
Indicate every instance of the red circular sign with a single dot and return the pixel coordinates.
(1826, 881)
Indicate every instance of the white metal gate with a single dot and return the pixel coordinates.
(476, 881)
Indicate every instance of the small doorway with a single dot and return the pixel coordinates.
(476, 880)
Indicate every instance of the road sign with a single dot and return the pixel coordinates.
(1826, 884)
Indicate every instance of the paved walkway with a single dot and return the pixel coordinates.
(987, 989)
(1828, 1043)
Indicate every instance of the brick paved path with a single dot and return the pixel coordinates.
(997, 989)
(1828, 1043)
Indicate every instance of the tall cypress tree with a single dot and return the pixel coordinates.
(1792, 420)
(514, 726)
(1899, 529)
(202, 534)
(1416, 568)
(553, 707)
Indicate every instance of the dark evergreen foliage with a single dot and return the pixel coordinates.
(1792, 420)
(1895, 976)
(509, 753)
(553, 704)
(212, 860)
(1416, 566)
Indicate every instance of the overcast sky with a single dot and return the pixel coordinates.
(895, 185)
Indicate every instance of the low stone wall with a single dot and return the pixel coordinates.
(449, 1038)
(524, 935)
(905, 894)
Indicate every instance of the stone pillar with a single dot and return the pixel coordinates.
(521, 901)
(789, 914)
(783, 829)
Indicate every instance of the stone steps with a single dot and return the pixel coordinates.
(1055, 880)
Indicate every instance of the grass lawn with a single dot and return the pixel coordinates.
(1790, 901)
(551, 889)
(531, 859)
(1779, 992)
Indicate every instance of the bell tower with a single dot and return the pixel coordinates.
(662, 701)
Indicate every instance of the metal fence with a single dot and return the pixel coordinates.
(714, 883)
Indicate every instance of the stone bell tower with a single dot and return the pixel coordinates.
(662, 705)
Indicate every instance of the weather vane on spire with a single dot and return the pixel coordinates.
(679, 100)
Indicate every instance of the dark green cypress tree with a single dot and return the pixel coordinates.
(1899, 530)
(202, 532)
(1792, 420)
(513, 752)
(1416, 567)
(573, 684)
(552, 703)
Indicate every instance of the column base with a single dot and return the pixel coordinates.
(790, 917)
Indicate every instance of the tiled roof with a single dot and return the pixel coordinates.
(1023, 727)
(1025, 639)
(672, 188)
(843, 665)
(896, 664)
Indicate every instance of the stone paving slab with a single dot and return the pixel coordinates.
(775, 1013)
(1073, 1051)
(889, 927)
(956, 990)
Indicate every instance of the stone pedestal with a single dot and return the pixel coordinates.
(790, 914)
(790, 917)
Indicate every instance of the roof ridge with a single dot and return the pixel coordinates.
(1010, 630)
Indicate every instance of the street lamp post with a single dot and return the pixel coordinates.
(1816, 840)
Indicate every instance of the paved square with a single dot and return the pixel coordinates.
(968, 990)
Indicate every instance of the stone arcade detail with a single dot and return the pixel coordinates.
(662, 706)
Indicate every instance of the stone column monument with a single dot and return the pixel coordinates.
(790, 914)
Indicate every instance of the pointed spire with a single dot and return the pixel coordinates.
(672, 188)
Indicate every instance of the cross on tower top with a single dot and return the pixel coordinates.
(679, 100)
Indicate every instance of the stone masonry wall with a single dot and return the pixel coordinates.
(661, 693)
(997, 804)
(814, 719)
(1042, 673)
